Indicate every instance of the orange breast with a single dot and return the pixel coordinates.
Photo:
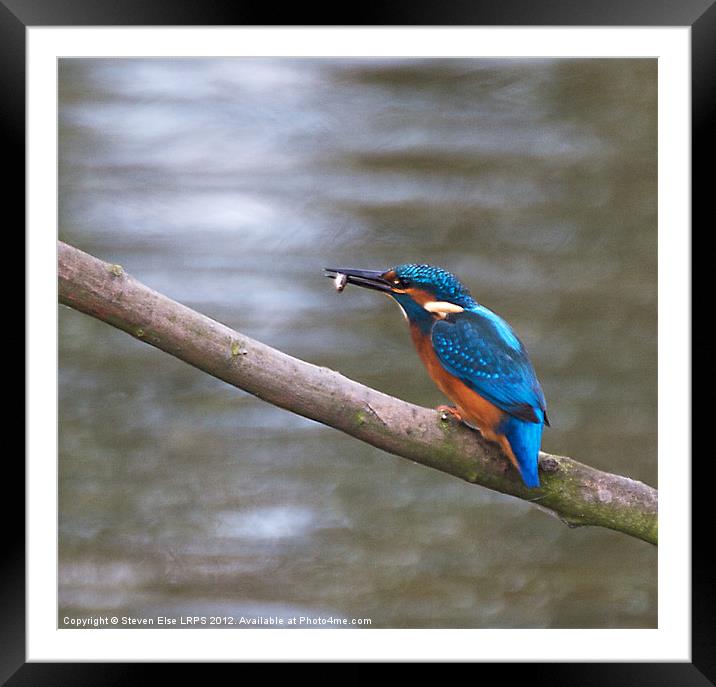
(474, 408)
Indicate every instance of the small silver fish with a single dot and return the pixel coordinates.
(340, 282)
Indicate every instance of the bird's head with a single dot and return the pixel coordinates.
(423, 291)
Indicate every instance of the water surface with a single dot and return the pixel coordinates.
(227, 185)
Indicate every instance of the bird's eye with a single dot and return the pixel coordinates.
(401, 283)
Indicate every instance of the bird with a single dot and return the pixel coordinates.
(471, 353)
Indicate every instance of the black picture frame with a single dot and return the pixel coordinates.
(17, 15)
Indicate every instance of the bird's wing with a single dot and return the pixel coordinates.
(475, 348)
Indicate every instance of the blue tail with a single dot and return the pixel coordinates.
(525, 439)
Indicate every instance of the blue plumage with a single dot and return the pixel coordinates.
(444, 285)
(473, 356)
(478, 347)
(474, 348)
(525, 439)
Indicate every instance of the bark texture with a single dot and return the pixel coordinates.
(574, 492)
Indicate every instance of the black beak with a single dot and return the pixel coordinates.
(370, 279)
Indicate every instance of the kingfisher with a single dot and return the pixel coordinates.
(472, 355)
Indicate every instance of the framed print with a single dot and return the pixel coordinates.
(203, 178)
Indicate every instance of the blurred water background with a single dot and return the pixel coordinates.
(228, 184)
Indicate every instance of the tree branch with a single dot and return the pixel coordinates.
(576, 493)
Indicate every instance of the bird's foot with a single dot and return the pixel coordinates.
(449, 411)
